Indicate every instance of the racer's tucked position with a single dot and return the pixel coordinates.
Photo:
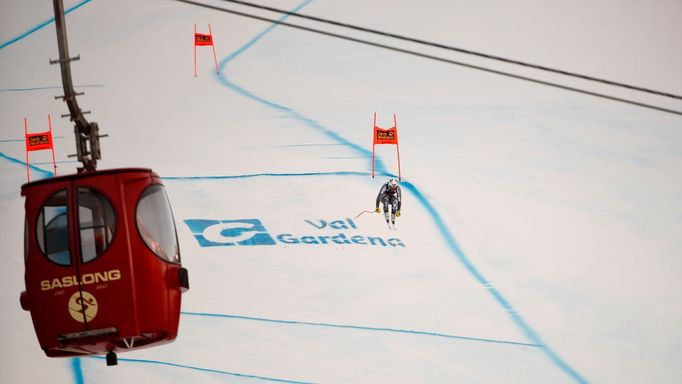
(389, 195)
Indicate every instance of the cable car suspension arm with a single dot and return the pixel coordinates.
(87, 133)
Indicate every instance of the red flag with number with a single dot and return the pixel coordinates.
(385, 136)
(201, 39)
(38, 141)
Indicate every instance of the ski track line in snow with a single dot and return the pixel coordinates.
(23, 163)
(24, 140)
(208, 370)
(30, 89)
(380, 170)
(308, 145)
(248, 176)
(41, 25)
(77, 371)
(360, 327)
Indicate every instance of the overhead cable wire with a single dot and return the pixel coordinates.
(435, 58)
(456, 49)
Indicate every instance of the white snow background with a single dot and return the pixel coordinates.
(541, 229)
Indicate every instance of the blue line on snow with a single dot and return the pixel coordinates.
(29, 89)
(145, 361)
(359, 327)
(307, 145)
(265, 174)
(77, 371)
(24, 140)
(33, 167)
(449, 238)
(41, 25)
(58, 162)
(344, 157)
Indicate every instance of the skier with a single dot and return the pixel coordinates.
(389, 195)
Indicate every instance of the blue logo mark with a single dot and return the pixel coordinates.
(219, 233)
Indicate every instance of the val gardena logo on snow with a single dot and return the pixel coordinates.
(248, 232)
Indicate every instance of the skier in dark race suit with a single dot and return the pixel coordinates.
(389, 195)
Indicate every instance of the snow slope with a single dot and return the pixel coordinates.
(541, 229)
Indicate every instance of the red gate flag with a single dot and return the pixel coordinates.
(200, 39)
(386, 136)
(37, 142)
(204, 40)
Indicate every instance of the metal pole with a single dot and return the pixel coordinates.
(195, 50)
(54, 162)
(215, 58)
(397, 145)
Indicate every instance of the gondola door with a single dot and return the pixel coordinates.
(52, 290)
(104, 258)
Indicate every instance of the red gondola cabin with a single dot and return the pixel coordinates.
(103, 269)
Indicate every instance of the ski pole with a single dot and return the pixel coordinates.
(361, 214)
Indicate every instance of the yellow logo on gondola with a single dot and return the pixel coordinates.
(83, 306)
(85, 279)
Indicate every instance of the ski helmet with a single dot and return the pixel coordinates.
(392, 183)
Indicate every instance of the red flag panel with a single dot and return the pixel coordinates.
(201, 39)
(385, 136)
(38, 141)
